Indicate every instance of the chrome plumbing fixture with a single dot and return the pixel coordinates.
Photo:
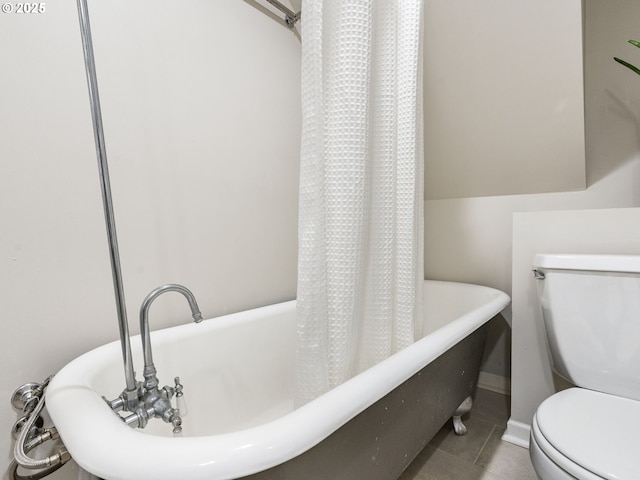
(29, 433)
(538, 275)
(107, 203)
(150, 401)
(143, 400)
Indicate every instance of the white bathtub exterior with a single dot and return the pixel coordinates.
(237, 371)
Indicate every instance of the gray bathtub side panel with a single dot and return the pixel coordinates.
(382, 441)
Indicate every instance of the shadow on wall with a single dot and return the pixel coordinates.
(497, 349)
(621, 145)
(612, 92)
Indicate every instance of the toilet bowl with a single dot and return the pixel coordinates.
(586, 435)
(591, 311)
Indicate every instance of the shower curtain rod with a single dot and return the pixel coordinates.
(290, 16)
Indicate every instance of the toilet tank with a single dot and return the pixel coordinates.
(591, 310)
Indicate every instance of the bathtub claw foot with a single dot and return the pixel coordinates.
(464, 408)
(459, 427)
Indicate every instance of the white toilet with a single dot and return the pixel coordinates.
(591, 310)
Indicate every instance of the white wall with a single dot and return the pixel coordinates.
(470, 239)
(201, 110)
(503, 92)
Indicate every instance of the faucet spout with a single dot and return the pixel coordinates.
(149, 369)
(147, 400)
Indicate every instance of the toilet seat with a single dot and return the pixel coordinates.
(550, 464)
(588, 435)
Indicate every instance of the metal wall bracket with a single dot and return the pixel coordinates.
(291, 17)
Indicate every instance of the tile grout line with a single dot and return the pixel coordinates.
(484, 444)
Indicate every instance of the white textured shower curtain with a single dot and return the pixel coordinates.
(360, 269)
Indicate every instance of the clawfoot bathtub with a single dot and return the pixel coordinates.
(237, 373)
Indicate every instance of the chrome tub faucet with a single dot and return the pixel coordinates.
(150, 401)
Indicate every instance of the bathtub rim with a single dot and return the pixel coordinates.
(256, 448)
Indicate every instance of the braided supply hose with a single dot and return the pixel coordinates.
(30, 437)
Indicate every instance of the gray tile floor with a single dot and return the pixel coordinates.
(478, 455)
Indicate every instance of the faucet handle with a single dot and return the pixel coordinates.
(181, 404)
(176, 422)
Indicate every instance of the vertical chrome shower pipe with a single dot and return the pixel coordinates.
(98, 133)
